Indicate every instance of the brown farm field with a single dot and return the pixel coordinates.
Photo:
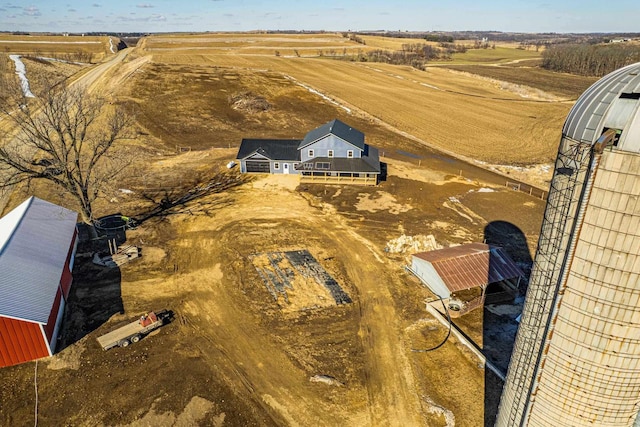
(57, 46)
(290, 45)
(235, 355)
(465, 115)
(563, 85)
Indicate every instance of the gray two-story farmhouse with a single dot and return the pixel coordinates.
(334, 153)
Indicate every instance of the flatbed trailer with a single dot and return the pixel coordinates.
(134, 331)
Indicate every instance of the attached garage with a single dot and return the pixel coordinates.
(37, 248)
(268, 155)
(258, 166)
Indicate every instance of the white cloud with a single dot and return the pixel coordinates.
(31, 11)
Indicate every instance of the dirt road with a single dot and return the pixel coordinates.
(94, 80)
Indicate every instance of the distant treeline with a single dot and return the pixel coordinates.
(414, 54)
(589, 60)
(494, 36)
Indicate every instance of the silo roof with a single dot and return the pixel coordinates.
(613, 102)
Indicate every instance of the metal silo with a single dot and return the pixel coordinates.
(576, 360)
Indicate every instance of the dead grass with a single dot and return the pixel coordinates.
(452, 112)
(501, 54)
(98, 47)
(564, 85)
(391, 43)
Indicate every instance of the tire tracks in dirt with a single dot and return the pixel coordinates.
(257, 366)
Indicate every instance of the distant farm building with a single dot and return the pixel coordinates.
(469, 275)
(37, 248)
(333, 153)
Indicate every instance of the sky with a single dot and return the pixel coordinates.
(559, 16)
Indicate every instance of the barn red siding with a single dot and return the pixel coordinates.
(53, 316)
(20, 342)
(66, 279)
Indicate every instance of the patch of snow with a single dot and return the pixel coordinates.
(326, 379)
(486, 190)
(412, 244)
(125, 191)
(433, 408)
(21, 71)
(430, 86)
(454, 199)
(111, 47)
(315, 92)
(510, 310)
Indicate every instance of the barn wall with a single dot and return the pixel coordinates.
(57, 323)
(54, 319)
(429, 276)
(20, 342)
(68, 265)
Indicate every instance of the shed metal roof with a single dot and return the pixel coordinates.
(337, 128)
(274, 149)
(35, 239)
(611, 102)
(471, 265)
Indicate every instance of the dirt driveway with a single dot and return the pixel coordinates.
(276, 372)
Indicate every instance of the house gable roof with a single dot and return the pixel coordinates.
(471, 265)
(34, 242)
(337, 128)
(273, 149)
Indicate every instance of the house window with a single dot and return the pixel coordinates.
(310, 152)
(349, 154)
(330, 153)
(276, 166)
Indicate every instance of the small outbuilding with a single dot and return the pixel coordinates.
(468, 275)
(38, 241)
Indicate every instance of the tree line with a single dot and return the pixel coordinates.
(414, 54)
(589, 60)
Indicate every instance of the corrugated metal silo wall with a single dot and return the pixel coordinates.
(566, 188)
(591, 373)
(582, 367)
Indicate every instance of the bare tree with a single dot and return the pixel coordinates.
(67, 138)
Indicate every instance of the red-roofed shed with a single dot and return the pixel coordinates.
(451, 271)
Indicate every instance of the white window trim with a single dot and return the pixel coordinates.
(349, 154)
(276, 166)
(311, 152)
(330, 153)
